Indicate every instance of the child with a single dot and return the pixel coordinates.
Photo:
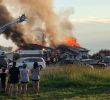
(3, 79)
(35, 77)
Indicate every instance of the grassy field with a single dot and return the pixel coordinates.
(69, 83)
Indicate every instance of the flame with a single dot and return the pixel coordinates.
(70, 41)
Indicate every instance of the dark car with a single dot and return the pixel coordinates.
(93, 62)
(106, 60)
(64, 62)
(68, 61)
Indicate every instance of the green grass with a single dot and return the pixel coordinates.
(72, 82)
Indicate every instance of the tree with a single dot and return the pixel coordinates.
(99, 55)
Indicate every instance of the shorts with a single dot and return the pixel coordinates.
(24, 82)
(8, 81)
(3, 84)
(13, 82)
(35, 80)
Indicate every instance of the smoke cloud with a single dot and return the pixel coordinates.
(45, 12)
(12, 32)
(65, 23)
(38, 12)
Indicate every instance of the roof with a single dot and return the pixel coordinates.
(73, 49)
(33, 47)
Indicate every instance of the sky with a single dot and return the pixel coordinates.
(91, 19)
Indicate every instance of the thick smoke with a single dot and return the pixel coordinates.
(14, 32)
(56, 30)
(57, 27)
(65, 23)
(44, 10)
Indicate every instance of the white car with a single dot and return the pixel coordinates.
(30, 61)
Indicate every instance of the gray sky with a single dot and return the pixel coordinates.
(91, 20)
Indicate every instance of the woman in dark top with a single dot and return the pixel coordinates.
(3, 79)
(13, 79)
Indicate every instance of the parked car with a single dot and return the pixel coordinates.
(65, 61)
(106, 60)
(30, 61)
(68, 61)
(89, 61)
(93, 62)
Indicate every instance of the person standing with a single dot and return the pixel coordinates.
(3, 76)
(14, 79)
(3, 62)
(24, 78)
(20, 85)
(35, 77)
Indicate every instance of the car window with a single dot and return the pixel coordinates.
(27, 60)
(90, 61)
(106, 60)
(20, 60)
(34, 60)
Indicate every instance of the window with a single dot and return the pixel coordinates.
(34, 60)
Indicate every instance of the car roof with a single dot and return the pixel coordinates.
(88, 59)
(107, 57)
(23, 58)
(30, 57)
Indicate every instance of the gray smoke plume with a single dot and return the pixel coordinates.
(13, 32)
(65, 23)
(44, 10)
(55, 30)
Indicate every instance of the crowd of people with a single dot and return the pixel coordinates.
(14, 79)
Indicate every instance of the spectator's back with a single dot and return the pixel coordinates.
(3, 62)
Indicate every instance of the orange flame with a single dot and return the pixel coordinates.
(70, 41)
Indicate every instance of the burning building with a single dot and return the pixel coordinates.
(73, 53)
